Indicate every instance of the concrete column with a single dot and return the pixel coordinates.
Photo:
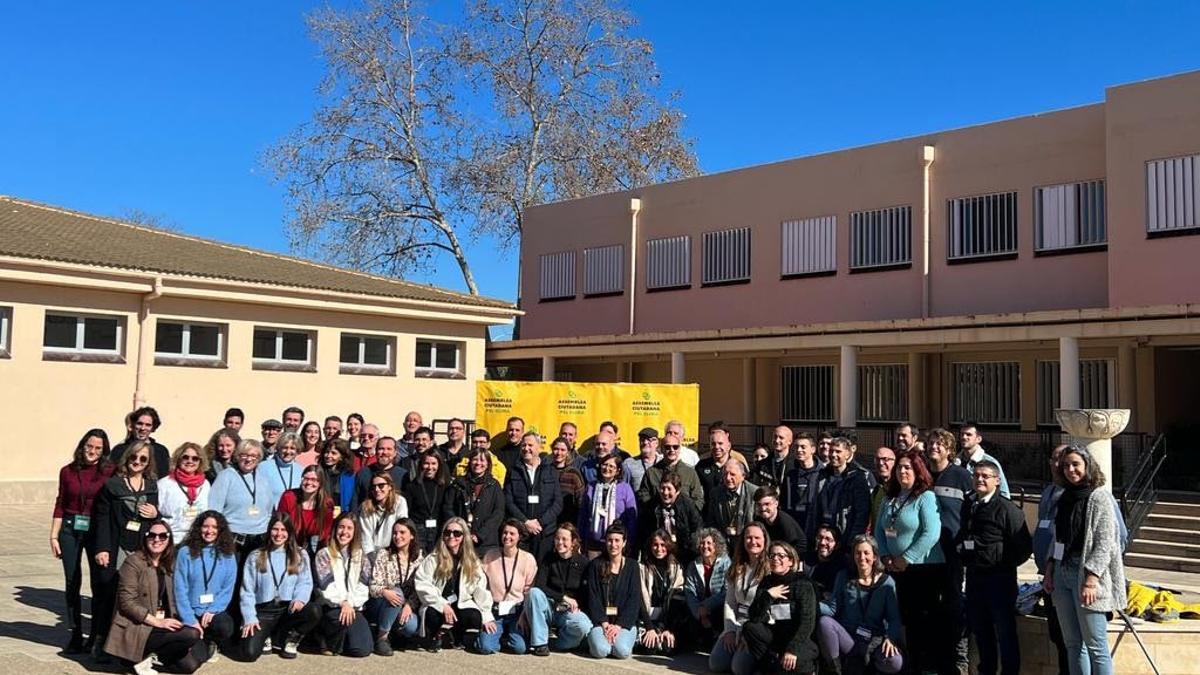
(1068, 372)
(547, 369)
(848, 387)
(1094, 428)
(749, 391)
(678, 371)
(621, 372)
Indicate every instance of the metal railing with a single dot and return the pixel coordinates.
(1141, 491)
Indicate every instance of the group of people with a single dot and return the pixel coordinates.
(334, 538)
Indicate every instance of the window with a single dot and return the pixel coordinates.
(604, 270)
(439, 359)
(982, 226)
(188, 344)
(883, 393)
(881, 238)
(1069, 216)
(366, 355)
(78, 337)
(727, 256)
(1173, 195)
(5, 331)
(807, 393)
(669, 263)
(280, 349)
(808, 246)
(1097, 387)
(557, 276)
(987, 392)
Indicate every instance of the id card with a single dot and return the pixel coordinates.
(253, 510)
(206, 598)
(160, 615)
(610, 610)
(470, 518)
(1044, 524)
(534, 499)
(505, 607)
(731, 530)
(890, 532)
(672, 537)
(863, 632)
(452, 599)
(431, 522)
(337, 511)
(968, 544)
(1059, 550)
(81, 523)
(191, 511)
(133, 525)
(781, 612)
(743, 611)
(314, 542)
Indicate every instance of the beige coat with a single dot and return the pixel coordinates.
(137, 598)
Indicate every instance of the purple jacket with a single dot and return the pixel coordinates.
(624, 508)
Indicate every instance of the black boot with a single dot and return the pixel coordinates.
(75, 645)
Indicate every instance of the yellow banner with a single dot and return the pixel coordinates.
(546, 405)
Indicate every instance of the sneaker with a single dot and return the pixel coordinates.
(146, 666)
(291, 647)
(267, 646)
(383, 647)
(541, 650)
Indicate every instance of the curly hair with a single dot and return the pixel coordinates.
(194, 541)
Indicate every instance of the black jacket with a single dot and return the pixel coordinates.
(998, 532)
(687, 522)
(845, 500)
(800, 498)
(545, 509)
(509, 454)
(159, 455)
(115, 507)
(797, 632)
(427, 501)
(558, 577)
(484, 513)
(785, 528)
(772, 472)
(624, 591)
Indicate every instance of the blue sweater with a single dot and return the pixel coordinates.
(876, 608)
(284, 476)
(231, 496)
(917, 525)
(259, 587)
(190, 584)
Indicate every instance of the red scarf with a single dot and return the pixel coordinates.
(191, 481)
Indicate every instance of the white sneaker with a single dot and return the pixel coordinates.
(146, 666)
(291, 648)
(266, 646)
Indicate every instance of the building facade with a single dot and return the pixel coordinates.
(99, 316)
(991, 273)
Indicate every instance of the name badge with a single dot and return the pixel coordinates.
(534, 499)
(890, 532)
(337, 511)
(655, 613)
(782, 612)
(610, 610)
(863, 632)
(452, 599)
(206, 598)
(672, 537)
(470, 518)
(743, 611)
(731, 530)
(133, 525)
(1059, 550)
(430, 522)
(314, 542)
(1044, 524)
(191, 511)
(253, 510)
(160, 614)
(81, 523)
(968, 544)
(505, 607)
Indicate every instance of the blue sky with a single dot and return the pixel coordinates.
(166, 107)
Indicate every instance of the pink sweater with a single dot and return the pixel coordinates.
(521, 577)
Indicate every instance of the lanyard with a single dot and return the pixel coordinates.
(894, 510)
(346, 564)
(287, 484)
(508, 581)
(429, 498)
(189, 500)
(252, 490)
(204, 571)
(612, 581)
(277, 579)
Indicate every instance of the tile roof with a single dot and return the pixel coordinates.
(43, 232)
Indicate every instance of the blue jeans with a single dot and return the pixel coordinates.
(570, 627)
(721, 660)
(506, 628)
(621, 648)
(1085, 632)
(381, 613)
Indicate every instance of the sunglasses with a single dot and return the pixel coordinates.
(671, 447)
(190, 458)
(455, 534)
(139, 459)
(378, 486)
(157, 536)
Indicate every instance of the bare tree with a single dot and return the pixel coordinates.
(434, 135)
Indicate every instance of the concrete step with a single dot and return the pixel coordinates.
(1178, 549)
(1168, 534)
(1189, 523)
(1164, 508)
(1162, 562)
(1181, 496)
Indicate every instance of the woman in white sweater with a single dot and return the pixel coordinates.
(456, 602)
(381, 509)
(343, 575)
(183, 493)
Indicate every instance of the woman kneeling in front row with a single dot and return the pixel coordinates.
(554, 598)
(276, 586)
(393, 603)
(779, 629)
(342, 584)
(860, 625)
(614, 598)
(205, 576)
(147, 624)
(454, 591)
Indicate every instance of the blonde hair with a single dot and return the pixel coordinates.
(466, 553)
(190, 446)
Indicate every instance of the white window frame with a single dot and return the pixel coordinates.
(279, 363)
(5, 332)
(186, 358)
(432, 370)
(881, 239)
(604, 270)
(79, 352)
(360, 366)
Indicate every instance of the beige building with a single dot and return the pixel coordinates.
(98, 316)
(991, 273)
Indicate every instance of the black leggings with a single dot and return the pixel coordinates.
(75, 547)
(220, 630)
(353, 640)
(104, 597)
(469, 621)
(926, 604)
(276, 621)
(180, 651)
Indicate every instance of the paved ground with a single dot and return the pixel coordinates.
(32, 631)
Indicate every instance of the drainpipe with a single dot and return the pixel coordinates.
(635, 207)
(927, 154)
(144, 350)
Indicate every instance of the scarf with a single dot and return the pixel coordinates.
(604, 507)
(191, 481)
(1071, 517)
(666, 516)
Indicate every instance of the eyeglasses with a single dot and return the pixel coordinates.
(248, 455)
(368, 435)
(453, 534)
(984, 476)
(157, 536)
(671, 447)
(779, 555)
